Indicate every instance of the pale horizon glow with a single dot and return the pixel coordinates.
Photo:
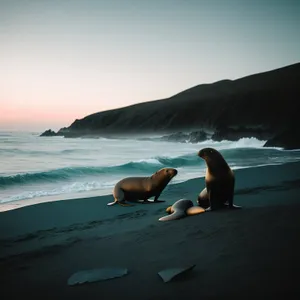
(63, 60)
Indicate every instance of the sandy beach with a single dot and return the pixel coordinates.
(252, 252)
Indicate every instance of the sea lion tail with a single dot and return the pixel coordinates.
(174, 216)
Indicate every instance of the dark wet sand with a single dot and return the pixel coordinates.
(249, 253)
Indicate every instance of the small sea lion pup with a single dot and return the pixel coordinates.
(142, 188)
(219, 181)
(181, 209)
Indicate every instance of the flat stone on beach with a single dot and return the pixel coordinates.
(94, 275)
(169, 274)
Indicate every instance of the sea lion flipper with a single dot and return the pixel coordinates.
(151, 202)
(125, 204)
(195, 210)
(122, 203)
(174, 216)
(235, 206)
(156, 197)
(232, 206)
(213, 200)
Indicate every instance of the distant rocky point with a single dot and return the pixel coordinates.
(265, 106)
(49, 132)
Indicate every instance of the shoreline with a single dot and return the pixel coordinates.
(240, 253)
(17, 204)
(249, 181)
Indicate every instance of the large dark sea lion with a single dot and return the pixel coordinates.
(219, 181)
(181, 209)
(142, 188)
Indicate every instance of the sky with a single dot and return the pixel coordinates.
(61, 60)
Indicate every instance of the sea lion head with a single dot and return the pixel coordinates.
(209, 154)
(169, 209)
(164, 175)
(213, 158)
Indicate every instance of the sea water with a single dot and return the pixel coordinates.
(36, 169)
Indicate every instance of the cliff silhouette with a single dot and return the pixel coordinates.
(264, 105)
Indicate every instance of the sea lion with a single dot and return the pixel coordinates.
(219, 181)
(181, 209)
(142, 188)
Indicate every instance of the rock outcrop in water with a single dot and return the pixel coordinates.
(288, 139)
(193, 137)
(234, 134)
(49, 132)
(262, 105)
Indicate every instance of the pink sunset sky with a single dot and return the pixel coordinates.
(62, 60)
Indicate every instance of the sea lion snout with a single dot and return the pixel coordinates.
(200, 153)
(205, 152)
(166, 172)
(173, 172)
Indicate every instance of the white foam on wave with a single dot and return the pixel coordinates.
(152, 161)
(75, 187)
(257, 166)
(241, 143)
(247, 143)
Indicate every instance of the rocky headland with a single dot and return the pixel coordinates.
(264, 105)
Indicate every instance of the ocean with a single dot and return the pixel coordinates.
(39, 169)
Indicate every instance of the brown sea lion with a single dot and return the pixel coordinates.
(219, 181)
(181, 209)
(142, 188)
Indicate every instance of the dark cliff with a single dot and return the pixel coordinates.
(261, 105)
